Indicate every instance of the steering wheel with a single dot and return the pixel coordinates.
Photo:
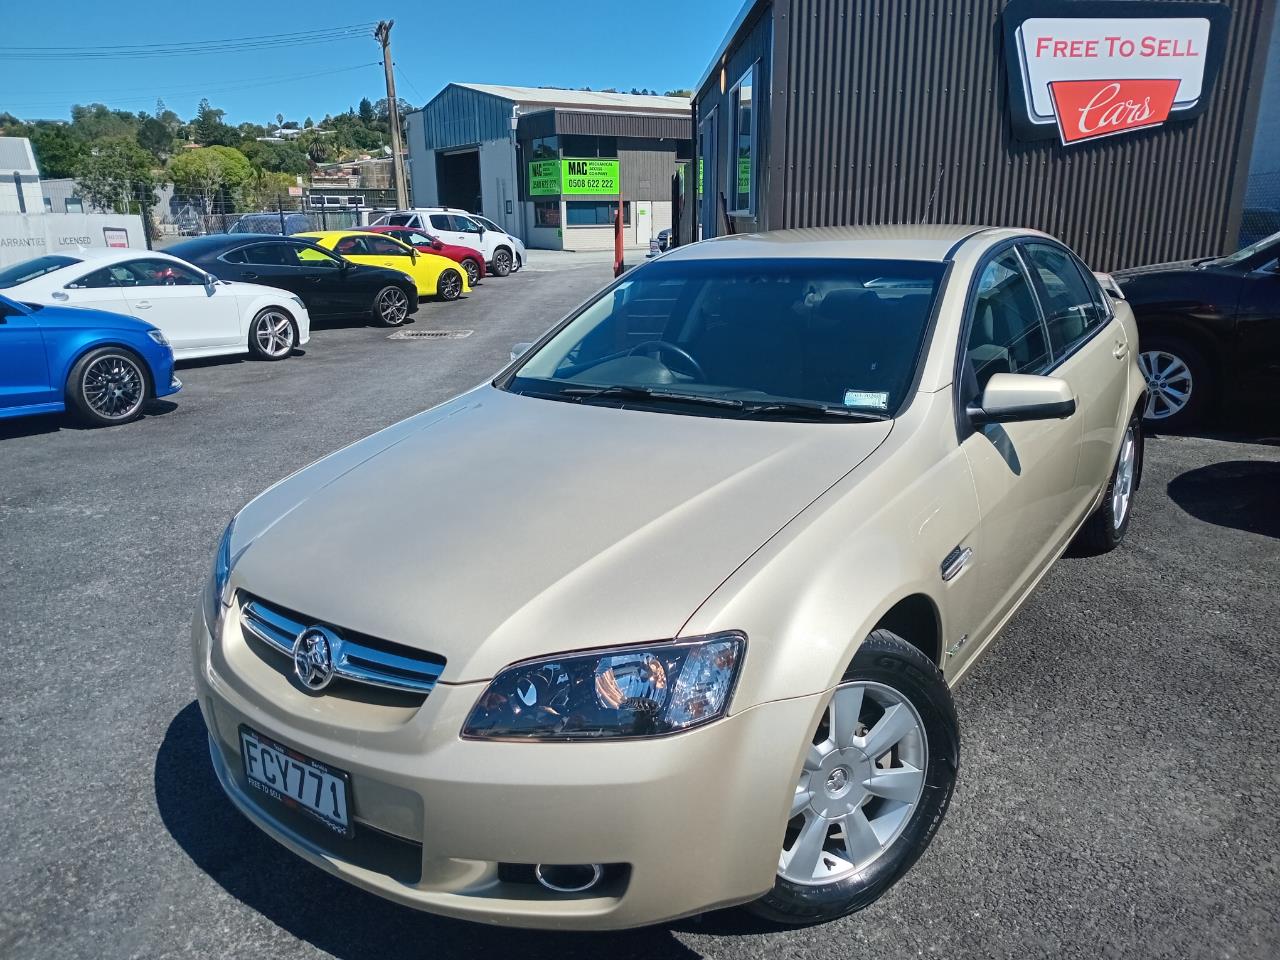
(661, 346)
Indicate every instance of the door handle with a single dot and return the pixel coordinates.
(1120, 350)
(314, 279)
(143, 304)
(59, 295)
(249, 276)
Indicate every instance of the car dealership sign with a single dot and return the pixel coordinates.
(1085, 69)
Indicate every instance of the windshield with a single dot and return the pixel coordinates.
(30, 269)
(1252, 250)
(802, 338)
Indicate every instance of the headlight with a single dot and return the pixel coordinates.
(644, 691)
(298, 301)
(215, 594)
(158, 337)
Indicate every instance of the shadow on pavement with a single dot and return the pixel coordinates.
(326, 912)
(1239, 493)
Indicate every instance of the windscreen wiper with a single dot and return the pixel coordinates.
(808, 408)
(622, 391)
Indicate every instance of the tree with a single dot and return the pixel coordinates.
(679, 93)
(307, 124)
(117, 176)
(154, 137)
(59, 152)
(279, 119)
(208, 130)
(367, 116)
(208, 171)
(265, 188)
(288, 157)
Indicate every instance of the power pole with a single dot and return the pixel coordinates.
(383, 36)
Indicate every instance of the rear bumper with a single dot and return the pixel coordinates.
(690, 822)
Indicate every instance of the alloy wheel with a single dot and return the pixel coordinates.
(114, 387)
(501, 263)
(473, 272)
(1169, 383)
(1122, 486)
(274, 334)
(861, 782)
(393, 306)
(450, 285)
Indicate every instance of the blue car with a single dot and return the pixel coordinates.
(103, 366)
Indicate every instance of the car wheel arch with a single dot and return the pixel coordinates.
(73, 358)
(1174, 325)
(916, 619)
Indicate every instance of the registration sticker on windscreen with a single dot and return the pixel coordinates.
(867, 399)
(297, 781)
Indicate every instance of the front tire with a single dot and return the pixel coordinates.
(1107, 526)
(1179, 381)
(108, 386)
(875, 784)
(501, 262)
(273, 334)
(449, 286)
(391, 306)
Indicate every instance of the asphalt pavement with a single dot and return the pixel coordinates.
(1118, 775)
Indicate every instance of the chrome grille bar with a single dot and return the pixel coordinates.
(352, 659)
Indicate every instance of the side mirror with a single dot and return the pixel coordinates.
(413, 254)
(1016, 397)
(210, 282)
(520, 349)
(437, 245)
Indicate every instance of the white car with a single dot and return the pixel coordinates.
(503, 253)
(200, 315)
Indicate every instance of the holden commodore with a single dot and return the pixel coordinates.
(678, 626)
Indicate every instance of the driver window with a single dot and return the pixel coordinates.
(1006, 334)
(162, 273)
(382, 247)
(95, 281)
(465, 224)
(350, 246)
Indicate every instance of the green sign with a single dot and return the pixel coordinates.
(701, 191)
(544, 178)
(744, 176)
(589, 177)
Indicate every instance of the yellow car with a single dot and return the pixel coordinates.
(435, 276)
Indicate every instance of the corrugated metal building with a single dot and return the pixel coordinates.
(550, 165)
(825, 112)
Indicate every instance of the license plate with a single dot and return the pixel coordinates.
(297, 781)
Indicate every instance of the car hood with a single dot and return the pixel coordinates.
(1154, 269)
(86, 318)
(498, 527)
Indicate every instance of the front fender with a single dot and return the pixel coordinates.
(812, 594)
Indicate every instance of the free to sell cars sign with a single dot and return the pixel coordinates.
(1089, 69)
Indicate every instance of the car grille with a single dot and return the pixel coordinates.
(356, 657)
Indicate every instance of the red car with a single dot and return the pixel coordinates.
(472, 260)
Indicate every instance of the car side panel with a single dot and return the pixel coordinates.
(24, 364)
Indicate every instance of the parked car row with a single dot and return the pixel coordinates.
(97, 330)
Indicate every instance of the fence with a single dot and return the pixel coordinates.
(171, 215)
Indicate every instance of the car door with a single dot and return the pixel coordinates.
(275, 263)
(335, 286)
(96, 289)
(1258, 331)
(472, 234)
(24, 365)
(388, 253)
(1090, 351)
(174, 297)
(444, 226)
(1023, 473)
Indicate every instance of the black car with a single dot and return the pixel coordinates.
(329, 285)
(1209, 332)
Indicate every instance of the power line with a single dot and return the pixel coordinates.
(202, 89)
(411, 84)
(194, 48)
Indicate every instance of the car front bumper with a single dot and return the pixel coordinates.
(685, 823)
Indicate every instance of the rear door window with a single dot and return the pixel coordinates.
(442, 221)
(1070, 306)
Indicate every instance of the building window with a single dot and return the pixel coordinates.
(576, 145)
(742, 172)
(595, 213)
(544, 148)
(546, 213)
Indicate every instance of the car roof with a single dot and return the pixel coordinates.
(925, 242)
(107, 255)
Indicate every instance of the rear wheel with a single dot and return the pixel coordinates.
(272, 335)
(473, 271)
(1179, 381)
(876, 781)
(108, 386)
(501, 262)
(449, 286)
(1104, 530)
(391, 306)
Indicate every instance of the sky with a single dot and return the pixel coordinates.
(659, 44)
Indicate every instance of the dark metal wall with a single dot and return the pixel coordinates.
(755, 45)
(897, 112)
(462, 117)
